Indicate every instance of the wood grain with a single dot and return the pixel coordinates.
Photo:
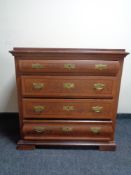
(68, 97)
(75, 108)
(76, 130)
(83, 86)
(87, 67)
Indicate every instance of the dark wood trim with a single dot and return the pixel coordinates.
(124, 116)
(67, 50)
(30, 145)
(22, 50)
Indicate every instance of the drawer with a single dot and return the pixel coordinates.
(68, 86)
(91, 67)
(68, 108)
(71, 130)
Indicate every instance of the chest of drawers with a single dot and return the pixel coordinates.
(68, 97)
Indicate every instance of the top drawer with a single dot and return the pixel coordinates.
(90, 67)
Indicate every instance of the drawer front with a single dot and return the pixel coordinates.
(68, 108)
(92, 67)
(71, 130)
(68, 86)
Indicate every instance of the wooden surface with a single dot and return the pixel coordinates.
(67, 130)
(88, 67)
(23, 50)
(81, 86)
(68, 96)
(68, 108)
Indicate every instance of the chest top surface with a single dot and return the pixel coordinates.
(68, 53)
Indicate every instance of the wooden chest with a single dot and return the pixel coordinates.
(68, 96)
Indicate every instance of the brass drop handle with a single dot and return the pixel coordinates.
(69, 85)
(95, 130)
(38, 86)
(99, 86)
(37, 66)
(69, 66)
(39, 129)
(38, 108)
(68, 108)
(67, 129)
(97, 109)
(101, 66)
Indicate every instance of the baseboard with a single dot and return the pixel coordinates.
(16, 115)
(9, 115)
(124, 115)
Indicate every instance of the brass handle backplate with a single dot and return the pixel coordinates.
(38, 85)
(69, 66)
(68, 108)
(67, 129)
(39, 108)
(95, 130)
(69, 85)
(97, 109)
(101, 66)
(99, 86)
(39, 129)
(37, 66)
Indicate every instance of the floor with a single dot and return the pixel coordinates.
(69, 161)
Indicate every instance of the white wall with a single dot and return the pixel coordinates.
(62, 23)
